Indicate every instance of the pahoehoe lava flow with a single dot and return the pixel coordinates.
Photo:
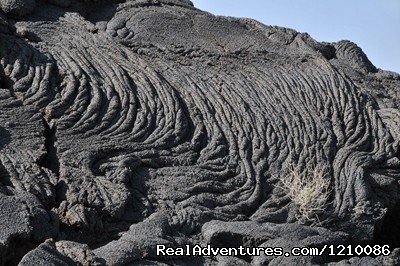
(129, 124)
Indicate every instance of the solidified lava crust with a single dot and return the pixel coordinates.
(130, 124)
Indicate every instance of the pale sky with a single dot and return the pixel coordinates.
(373, 24)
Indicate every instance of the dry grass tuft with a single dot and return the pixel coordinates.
(309, 191)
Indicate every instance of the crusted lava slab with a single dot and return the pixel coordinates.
(127, 125)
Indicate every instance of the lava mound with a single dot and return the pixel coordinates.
(125, 125)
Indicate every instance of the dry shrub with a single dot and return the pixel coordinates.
(310, 191)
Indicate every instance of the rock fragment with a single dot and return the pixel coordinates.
(17, 8)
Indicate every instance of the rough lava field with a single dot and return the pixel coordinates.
(124, 125)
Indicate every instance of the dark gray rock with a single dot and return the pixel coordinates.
(61, 3)
(390, 260)
(14, 222)
(46, 254)
(61, 253)
(287, 236)
(17, 8)
(127, 124)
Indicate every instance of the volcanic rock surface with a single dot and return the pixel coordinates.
(124, 125)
